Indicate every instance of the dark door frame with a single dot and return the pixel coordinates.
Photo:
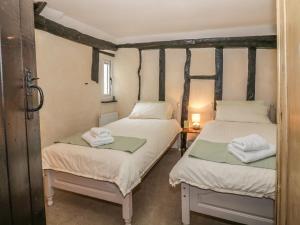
(21, 184)
(5, 217)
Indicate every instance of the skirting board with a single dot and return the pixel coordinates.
(237, 208)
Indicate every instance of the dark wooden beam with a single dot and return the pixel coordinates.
(251, 74)
(162, 74)
(219, 75)
(139, 74)
(221, 42)
(95, 65)
(57, 29)
(186, 87)
(202, 77)
(109, 101)
(38, 7)
(186, 96)
(107, 53)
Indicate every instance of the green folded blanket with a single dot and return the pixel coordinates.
(121, 143)
(217, 152)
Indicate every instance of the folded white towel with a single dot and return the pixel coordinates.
(100, 131)
(96, 141)
(251, 142)
(252, 156)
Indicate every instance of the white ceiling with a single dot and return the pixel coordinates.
(146, 20)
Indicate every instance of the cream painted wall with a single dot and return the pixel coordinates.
(72, 106)
(126, 80)
(175, 60)
(149, 73)
(202, 63)
(72, 99)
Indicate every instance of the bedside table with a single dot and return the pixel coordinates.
(184, 133)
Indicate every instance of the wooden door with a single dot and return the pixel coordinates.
(288, 204)
(21, 193)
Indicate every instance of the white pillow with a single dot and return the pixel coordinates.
(152, 110)
(242, 111)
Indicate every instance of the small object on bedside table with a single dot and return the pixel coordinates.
(184, 133)
(196, 121)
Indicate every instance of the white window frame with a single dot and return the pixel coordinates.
(106, 60)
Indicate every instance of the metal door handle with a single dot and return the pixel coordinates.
(30, 87)
(41, 103)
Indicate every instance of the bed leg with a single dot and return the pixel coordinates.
(49, 191)
(185, 203)
(127, 208)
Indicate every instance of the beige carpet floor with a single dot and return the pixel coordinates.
(155, 202)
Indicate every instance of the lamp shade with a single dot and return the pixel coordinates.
(196, 118)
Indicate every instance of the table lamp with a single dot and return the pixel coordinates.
(196, 121)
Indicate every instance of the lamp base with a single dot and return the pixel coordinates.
(196, 126)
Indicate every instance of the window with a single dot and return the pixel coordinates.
(107, 79)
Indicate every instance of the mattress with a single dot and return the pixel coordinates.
(124, 169)
(226, 178)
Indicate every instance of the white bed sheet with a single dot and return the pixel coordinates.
(122, 168)
(226, 178)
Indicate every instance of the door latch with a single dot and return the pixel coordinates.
(30, 89)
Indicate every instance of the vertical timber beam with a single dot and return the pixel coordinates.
(162, 74)
(186, 95)
(139, 74)
(219, 75)
(251, 73)
(38, 7)
(95, 65)
(186, 88)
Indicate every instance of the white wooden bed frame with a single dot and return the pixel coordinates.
(237, 208)
(93, 188)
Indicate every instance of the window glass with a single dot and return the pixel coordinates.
(106, 78)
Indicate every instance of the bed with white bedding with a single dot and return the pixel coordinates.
(105, 173)
(238, 193)
(226, 178)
